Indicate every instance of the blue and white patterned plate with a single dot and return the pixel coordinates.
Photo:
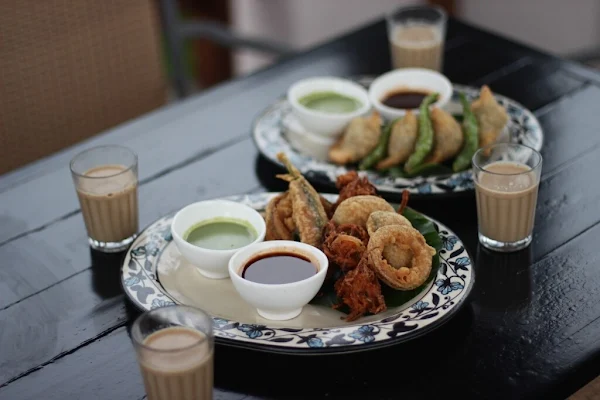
(270, 138)
(155, 275)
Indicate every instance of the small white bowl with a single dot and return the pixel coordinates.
(323, 123)
(304, 141)
(212, 263)
(278, 301)
(411, 79)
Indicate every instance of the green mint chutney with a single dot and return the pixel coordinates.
(221, 234)
(330, 102)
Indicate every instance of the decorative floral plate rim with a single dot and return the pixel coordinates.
(268, 136)
(436, 306)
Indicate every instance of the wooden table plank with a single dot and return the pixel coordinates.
(107, 369)
(42, 258)
(61, 250)
(538, 84)
(528, 343)
(79, 299)
(525, 361)
(18, 282)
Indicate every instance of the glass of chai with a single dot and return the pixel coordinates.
(416, 35)
(106, 182)
(174, 347)
(507, 177)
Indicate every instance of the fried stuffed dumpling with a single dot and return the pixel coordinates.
(402, 141)
(359, 139)
(491, 116)
(447, 136)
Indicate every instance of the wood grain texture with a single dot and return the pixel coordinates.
(529, 332)
(60, 250)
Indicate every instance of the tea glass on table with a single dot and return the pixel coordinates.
(417, 35)
(106, 182)
(507, 177)
(174, 347)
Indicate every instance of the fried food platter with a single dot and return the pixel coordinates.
(272, 134)
(395, 273)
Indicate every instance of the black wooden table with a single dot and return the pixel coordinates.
(532, 329)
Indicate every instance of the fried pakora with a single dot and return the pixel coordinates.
(409, 275)
(360, 290)
(351, 184)
(308, 213)
(377, 219)
(278, 218)
(356, 210)
(344, 245)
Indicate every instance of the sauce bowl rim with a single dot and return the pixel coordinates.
(293, 98)
(235, 264)
(444, 96)
(260, 230)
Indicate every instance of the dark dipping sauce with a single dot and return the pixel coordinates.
(278, 267)
(405, 99)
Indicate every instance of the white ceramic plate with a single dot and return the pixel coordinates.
(155, 275)
(271, 135)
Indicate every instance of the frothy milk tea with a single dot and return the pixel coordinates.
(109, 206)
(183, 370)
(418, 46)
(506, 201)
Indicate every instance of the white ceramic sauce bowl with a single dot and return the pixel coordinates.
(213, 263)
(278, 301)
(411, 79)
(323, 123)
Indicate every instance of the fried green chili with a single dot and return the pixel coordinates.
(471, 134)
(380, 151)
(425, 139)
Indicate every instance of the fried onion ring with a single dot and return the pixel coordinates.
(406, 277)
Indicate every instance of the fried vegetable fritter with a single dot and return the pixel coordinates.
(356, 210)
(360, 290)
(308, 212)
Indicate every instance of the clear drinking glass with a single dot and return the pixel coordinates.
(417, 35)
(507, 177)
(174, 347)
(106, 182)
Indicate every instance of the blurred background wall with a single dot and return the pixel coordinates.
(568, 29)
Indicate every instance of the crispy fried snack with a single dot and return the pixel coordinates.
(278, 218)
(404, 202)
(327, 206)
(360, 137)
(409, 240)
(350, 185)
(402, 141)
(490, 115)
(344, 245)
(356, 210)
(360, 290)
(377, 219)
(308, 212)
(448, 137)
